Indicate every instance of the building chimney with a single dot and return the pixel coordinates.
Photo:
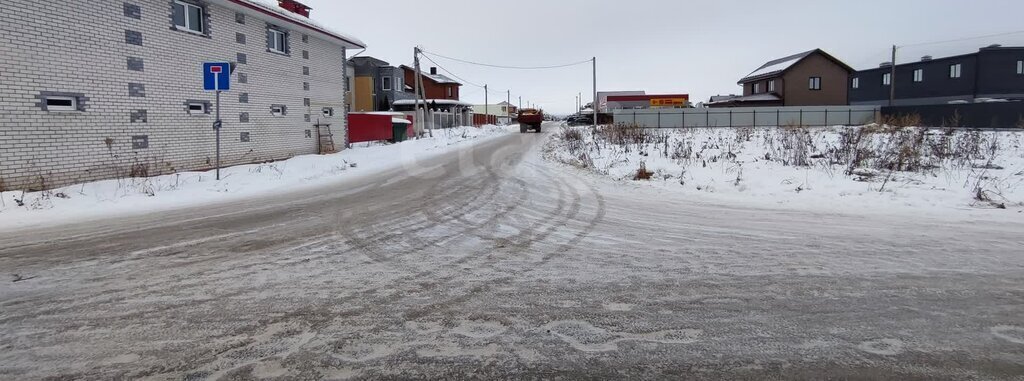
(294, 7)
(433, 71)
(926, 58)
(885, 64)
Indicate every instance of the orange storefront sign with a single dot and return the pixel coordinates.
(668, 102)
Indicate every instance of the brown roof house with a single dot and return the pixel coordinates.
(812, 78)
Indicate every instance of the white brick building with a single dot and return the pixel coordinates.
(108, 88)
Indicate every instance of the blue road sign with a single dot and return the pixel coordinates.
(216, 76)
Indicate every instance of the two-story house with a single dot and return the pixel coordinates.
(378, 84)
(993, 72)
(811, 78)
(436, 86)
(105, 89)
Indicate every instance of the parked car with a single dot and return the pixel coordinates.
(579, 120)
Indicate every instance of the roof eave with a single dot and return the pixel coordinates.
(345, 42)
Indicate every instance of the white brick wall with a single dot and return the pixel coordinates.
(79, 47)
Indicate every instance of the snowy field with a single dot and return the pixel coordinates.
(863, 169)
(123, 196)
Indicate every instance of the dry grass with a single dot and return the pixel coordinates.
(642, 173)
(901, 120)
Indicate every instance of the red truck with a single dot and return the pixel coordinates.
(530, 119)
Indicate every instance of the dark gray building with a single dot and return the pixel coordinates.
(378, 84)
(994, 72)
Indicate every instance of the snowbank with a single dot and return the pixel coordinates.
(110, 198)
(812, 168)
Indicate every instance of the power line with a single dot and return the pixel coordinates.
(450, 73)
(962, 39)
(509, 67)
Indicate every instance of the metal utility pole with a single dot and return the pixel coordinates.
(520, 102)
(892, 78)
(595, 93)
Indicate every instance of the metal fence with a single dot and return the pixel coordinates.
(973, 115)
(748, 116)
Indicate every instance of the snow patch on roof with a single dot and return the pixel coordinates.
(271, 5)
(776, 68)
(406, 102)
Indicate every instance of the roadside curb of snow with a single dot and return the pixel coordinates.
(865, 203)
(127, 197)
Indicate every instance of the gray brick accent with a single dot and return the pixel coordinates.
(132, 37)
(243, 117)
(243, 98)
(305, 70)
(136, 64)
(305, 54)
(140, 141)
(243, 137)
(81, 99)
(139, 116)
(133, 11)
(243, 78)
(136, 90)
(240, 18)
(242, 58)
(206, 110)
(240, 38)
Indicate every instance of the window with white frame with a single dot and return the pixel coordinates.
(1020, 67)
(771, 86)
(919, 75)
(196, 108)
(955, 70)
(277, 110)
(328, 111)
(757, 88)
(886, 79)
(61, 103)
(188, 16)
(814, 83)
(277, 41)
(449, 91)
(856, 83)
(386, 83)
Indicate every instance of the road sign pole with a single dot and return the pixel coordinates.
(216, 126)
(213, 82)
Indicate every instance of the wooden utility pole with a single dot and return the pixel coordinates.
(420, 118)
(487, 106)
(595, 93)
(892, 78)
(421, 94)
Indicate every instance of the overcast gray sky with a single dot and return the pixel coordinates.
(661, 46)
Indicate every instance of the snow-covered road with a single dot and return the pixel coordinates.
(491, 263)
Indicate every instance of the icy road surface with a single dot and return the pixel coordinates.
(491, 263)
